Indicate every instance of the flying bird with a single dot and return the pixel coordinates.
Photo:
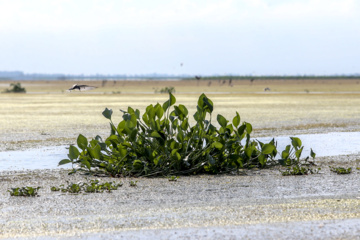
(81, 87)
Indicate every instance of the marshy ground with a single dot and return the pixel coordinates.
(254, 204)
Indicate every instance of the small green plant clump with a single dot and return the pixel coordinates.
(94, 186)
(133, 183)
(291, 158)
(340, 170)
(15, 88)
(24, 191)
(166, 90)
(161, 142)
(173, 178)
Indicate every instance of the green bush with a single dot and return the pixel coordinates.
(162, 142)
(16, 88)
(167, 90)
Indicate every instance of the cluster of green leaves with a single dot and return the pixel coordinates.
(15, 88)
(93, 186)
(340, 170)
(162, 142)
(291, 157)
(133, 183)
(24, 191)
(173, 178)
(167, 90)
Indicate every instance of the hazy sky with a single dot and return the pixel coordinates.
(258, 37)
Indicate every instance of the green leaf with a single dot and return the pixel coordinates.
(137, 164)
(172, 99)
(236, 120)
(95, 152)
(159, 111)
(285, 154)
(107, 113)
(174, 154)
(296, 142)
(155, 134)
(73, 152)
(217, 145)
(312, 154)
(298, 153)
(262, 159)
(86, 163)
(248, 128)
(241, 129)
(82, 142)
(183, 110)
(205, 103)
(145, 118)
(121, 126)
(267, 149)
(64, 161)
(221, 120)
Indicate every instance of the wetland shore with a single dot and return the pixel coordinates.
(250, 205)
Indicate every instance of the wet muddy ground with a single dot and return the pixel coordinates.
(324, 205)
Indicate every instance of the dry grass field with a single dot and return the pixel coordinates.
(49, 115)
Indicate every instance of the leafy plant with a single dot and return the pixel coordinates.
(167, 90)
(291, 157)
(16, 88)
(162, 142)
(340, 170)
(94, 186)
(24, 191)
(133, 183)
(173, 178)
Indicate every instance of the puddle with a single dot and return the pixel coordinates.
(324, 145)
(39, 158)
(328, 144)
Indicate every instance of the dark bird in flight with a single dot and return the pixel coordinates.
(81, 87)
(197, 77)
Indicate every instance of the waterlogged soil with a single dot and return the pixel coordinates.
(252, 204)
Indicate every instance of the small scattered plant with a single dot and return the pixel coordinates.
(94, 186)
(161, 142)
(340, 170)
(133, 183)
(173, 178)
(291, 157)
(24, 191)
(166, 90)
(15, 88)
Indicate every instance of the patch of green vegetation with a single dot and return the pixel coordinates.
(94, 186)
(166, 90)
(24, 191)
(161, 142)
(133, 183)
(173, 178)
(15, 88)
(340, 170)
(291, 157)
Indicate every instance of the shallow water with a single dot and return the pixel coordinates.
(30, 159)
(328, 144)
